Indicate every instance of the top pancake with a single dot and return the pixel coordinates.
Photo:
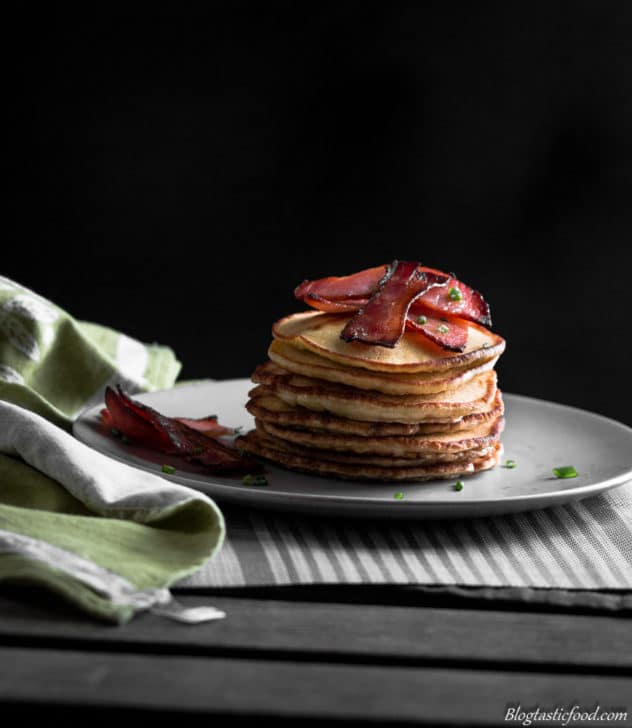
(320, 333)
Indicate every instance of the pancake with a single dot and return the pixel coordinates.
(253, 443)
(320, 333)
(375, 459)
(266, 406)
(403, 447)
(368, 405)
(304, 362)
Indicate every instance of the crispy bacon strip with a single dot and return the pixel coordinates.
(358, 285)
(174, 443)
(383, 318)
(145, 426)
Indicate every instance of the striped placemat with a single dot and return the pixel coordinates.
(584, 545)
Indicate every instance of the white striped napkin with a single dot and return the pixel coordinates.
(584, 545)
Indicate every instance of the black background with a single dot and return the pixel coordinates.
(177, 175)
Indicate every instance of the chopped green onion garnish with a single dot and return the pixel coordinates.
(565, 471)
(458, 485)
(115, 433)
(422, 320)
(442, 329)
(124, 439)
(169, 469)
(251, 479)
(399, 495)
(198, 450)
(455, 294)
(510, 464)
(238, 430)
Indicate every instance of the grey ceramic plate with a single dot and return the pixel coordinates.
(538, 436)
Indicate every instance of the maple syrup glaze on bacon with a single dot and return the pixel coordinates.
(382, 316)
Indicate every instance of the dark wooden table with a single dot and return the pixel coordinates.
(315, 655)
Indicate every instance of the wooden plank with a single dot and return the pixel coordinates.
(523, 599)
(343, 632)
(268, 688)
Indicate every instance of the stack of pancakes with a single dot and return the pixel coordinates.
(363, 412)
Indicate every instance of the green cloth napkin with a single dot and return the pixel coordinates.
(106, 536)
(56, 366)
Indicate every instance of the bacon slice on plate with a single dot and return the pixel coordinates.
(383, 319)
(208, 426)
(126, 420)
(145, 426)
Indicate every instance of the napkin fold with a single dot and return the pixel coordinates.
(108, 537)
(57, 366)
